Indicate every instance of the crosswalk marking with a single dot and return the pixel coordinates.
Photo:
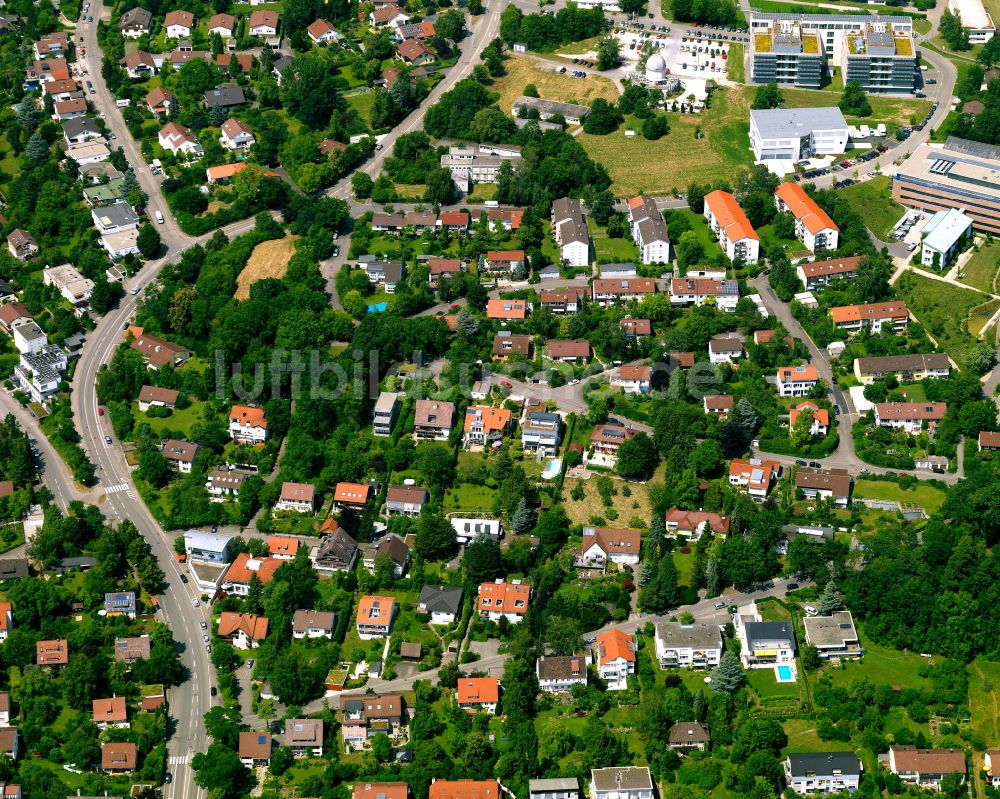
(118, 488)
(179, 760)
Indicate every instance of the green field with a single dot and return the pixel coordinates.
(982, 314)
(881, 665)
(362, 105)
(984, 703)
(943, 309)
(705, 237)
(735, 68)
(466, 497)
(767, 686)
(611, 250)
(923, 494)
(802, 737)
(699, 147)
(873, 202)
(980, 271)
(179, 420)
(884, 109)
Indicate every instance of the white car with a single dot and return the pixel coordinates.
(195, 603)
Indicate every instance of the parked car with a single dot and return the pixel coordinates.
(791, 586)
(184, 579)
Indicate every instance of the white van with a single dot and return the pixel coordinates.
(123, 103)
(811, 611)
(159, 217)
(491, 204)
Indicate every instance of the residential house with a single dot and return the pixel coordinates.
(417, 30)
(237, 135)
(129, 650)
(605, 439)
(304, 737)
(432, 420)
(297, 497)
(55, 44)
(380, 790)
(211, 547)
(688, 736)
(693, 523)
(179, 454)
(138, 65)
(120, 603)
(11, 314)
(247, 424)
(70, 109)
(832, 484)
(313, 624)
(738, 239)
(562, 302)
(468, 530)
(834, 636)
(4, 708)
(636, 328)
(366, 717)
(443, 267)
(621, 782)
(52, 653)
(989, 442)
(375, 616)
(22, 244)
(415, 52)
(478, 694)
(569, 229)
(820, 418)
(568, 351)
(609, 544)
(442, 604)
(725, 348)
(554, 788)
(465, 789)
(263, 23)
(507, 310)
(243, 630)
(910, 416)
(754, 476)
(321, 32)
(813, 227)
(60, 90)
(541, 431)
(505, 345)
(504, 599)
(157, 397)
(991, 765)
(508, 219)
(720, 405)
(392, 547)
(797, 381)
(336, 552)
(119, 758)
(504, 263)
(80, 130)
(135, 22)
(905, 368)
(354, 496)
(817, 274)
(7, 623)
(454, 222)
(179, 140)
(110, 713)
(406, 500)
(724, 294)
(873, 317)
(613, 291)
(633, 379)
(764, 644)
(224, 484)
(388, 223)
(689, 646)
(649, 231)
(160, 100)
(391, 15)
(809, 773)
(615, 658)
(484, 425)
(925, 768)
(225, 95)
(255, 749)
(385, 412)
(222, 24)
(117, 218)
(558, 674)
(178, 24)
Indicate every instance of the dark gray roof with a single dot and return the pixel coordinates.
(439, 599)
(77, 125)
(824, 764)
(769, 631)
(904, 363)
(972, 148)
(634, 778)
(224, 96)
(13, 568)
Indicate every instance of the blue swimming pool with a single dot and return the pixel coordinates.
(785, 674)
(378, 307)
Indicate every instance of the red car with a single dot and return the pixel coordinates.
(100, 410)
(506, 384)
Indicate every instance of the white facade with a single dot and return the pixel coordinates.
(467, 530)
(794, 134)
(691, 646)
(944, 236)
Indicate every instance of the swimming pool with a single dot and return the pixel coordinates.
(378, 307)
(785, 674)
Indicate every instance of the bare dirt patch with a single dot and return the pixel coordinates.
(268, 259)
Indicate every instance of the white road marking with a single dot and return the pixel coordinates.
(117, 488)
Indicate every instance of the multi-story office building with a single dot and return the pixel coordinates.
(784, 52)
(880, 58)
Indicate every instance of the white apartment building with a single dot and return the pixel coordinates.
(649, 231)
(691, 646)
(779, 137)
(731, 227)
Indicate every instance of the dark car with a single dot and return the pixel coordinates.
(800, 463)
(791, 586)
(184, 579)
(168, 778)
(816, 464)
(213, 691)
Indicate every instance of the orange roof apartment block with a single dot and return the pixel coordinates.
(465, 789)
(499, 599)
(812, 225)
(736, 235)
(873, 316)
(380, 790)
(615, 645)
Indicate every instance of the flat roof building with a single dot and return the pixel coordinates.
(785, 53)
(880, 58)
(975, 18)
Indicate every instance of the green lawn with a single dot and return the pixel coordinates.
(872, 200)
(984, 704)
(881, 665)
(467, 497)
(764, 682)
(362, 105)
(923, 494)
(685, 567)
(735, 67)
(611, 250)
(802, 737)
(982, 314)
(705, 237)
(898, 110)
(699, 147)
(179, 420)
(769, 239)
(980, 270)
(944, 311)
